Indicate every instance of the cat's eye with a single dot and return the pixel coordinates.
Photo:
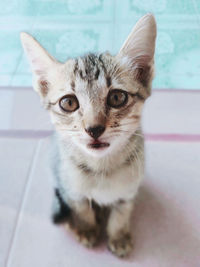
(117, 98)
(69, 103)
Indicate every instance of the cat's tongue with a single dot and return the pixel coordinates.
(97, 144)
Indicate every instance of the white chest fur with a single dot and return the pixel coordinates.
(120, 184)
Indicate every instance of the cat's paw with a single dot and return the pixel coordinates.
(89, 237)
(121, 246)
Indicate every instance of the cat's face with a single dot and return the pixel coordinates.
(96, 104)
(96, 101)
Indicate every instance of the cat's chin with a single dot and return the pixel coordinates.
(101, 148)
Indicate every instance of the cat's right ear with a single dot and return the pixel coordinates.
(40, 61)
(138, 50)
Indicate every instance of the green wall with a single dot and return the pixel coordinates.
(71, 27)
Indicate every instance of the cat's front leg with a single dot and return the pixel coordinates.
(83, 223)
(118, 228)
(79, 216)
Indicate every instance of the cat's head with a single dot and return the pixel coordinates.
(96, 101)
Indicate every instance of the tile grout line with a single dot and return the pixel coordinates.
(113, 23)
(171, 137)
(17, 66)
(22, 202)
(196, 10)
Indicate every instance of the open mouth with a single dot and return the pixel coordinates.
(97, 144)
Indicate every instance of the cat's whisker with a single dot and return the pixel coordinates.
(122, 131)
(122, 125)
(137, 159)
(128, 132)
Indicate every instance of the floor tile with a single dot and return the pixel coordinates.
(15, 157)
(28, 112)
(172, 112)
(165, 222)
(170, 206)
(6, 108)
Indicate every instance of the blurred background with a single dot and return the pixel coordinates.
(68, 28)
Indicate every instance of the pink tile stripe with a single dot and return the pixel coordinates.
(172, 137)
(31, 134)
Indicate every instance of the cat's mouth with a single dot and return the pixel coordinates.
(96, 144)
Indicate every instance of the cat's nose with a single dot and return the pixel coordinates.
(96, 131)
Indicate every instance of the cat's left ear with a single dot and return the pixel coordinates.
(38, 57)
(41, 62)
(138, 50)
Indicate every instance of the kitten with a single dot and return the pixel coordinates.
(95, 103)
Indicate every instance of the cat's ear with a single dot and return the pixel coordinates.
(138, 49)
(38, 57)
(40, 61)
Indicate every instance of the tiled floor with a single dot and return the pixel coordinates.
(166, 222)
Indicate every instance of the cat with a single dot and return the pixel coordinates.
(95, 103)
